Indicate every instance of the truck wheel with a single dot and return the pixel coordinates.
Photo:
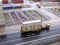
(3, 36)
(47, 29)
(23, 34)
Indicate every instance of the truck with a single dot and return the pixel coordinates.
(33, 27)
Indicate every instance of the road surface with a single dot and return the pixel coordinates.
(16, 38)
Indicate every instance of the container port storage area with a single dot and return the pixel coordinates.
(29, 22)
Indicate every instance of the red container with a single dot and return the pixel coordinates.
(54, 0)
(19, 7)
(37, 0)
(17, 1)
(4, 1)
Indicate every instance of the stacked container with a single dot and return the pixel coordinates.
(4, 1)
(17, 1)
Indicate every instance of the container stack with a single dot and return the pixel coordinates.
(11, 1)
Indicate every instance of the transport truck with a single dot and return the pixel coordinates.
(33, 27)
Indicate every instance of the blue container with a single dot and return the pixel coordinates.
(14, 7)
(8, 7)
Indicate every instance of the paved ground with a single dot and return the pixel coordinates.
(53, 12)
(56, 43)
(13, 39)
(16, 38)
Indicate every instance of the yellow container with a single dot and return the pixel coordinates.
(40, 27)
(23, 29)
(31, 28)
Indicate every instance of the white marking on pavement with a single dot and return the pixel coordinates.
(38, 39)
(48, 14)
(11, 18)
(23, 38)
(18, 17)
(18, 39)
(50, 7)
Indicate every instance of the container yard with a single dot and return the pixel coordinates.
(17, 17)
(54, 11)
(29, 22)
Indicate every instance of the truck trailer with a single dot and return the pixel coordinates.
(33, 27)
